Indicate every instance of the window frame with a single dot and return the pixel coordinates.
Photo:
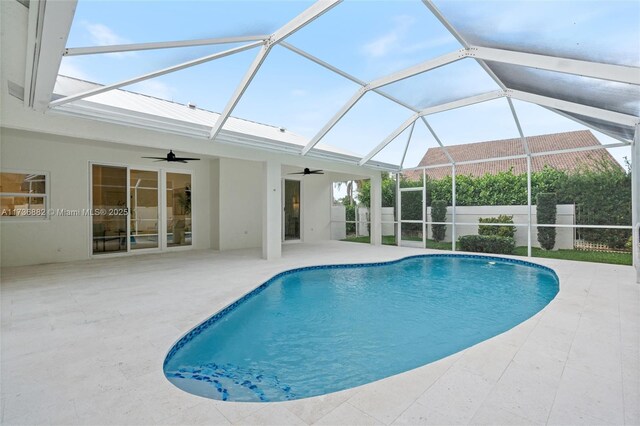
(46, 196)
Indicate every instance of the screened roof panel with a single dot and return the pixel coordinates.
(609, 95)
(114, 67)
(207, 85)
(367, 124)
(594, 30)
(448, 83)
(123, 22)
(388, 37)
(481, 122)
(294, 93)
(624, 132)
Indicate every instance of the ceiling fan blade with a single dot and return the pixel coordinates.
(316, 172)
(296, 173)
(186, 158)
(156, 158)
(164, 159)
(180, 160)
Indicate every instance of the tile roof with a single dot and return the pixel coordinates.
(509, 147)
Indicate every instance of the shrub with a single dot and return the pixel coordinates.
(487, 244)
(501, 231)
(350, 215)
(546, 212)
(438, 214)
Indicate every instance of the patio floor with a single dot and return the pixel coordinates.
(84, 342)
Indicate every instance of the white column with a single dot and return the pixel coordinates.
(529, 205)
(271, 210)
(453, 207)
(398, 210)
(376, 209)
(635, 198)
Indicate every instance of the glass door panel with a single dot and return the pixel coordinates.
(291, 218)
(143, 196)
(179, 232)
(109, 204)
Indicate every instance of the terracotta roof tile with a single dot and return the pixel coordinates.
(509, 147)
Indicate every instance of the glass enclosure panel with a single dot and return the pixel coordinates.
(179, 230)
(448, 83)
(291, 225)
(608, 95)
(389, 36)
(595, 30)
(109, 205)
(143, 196)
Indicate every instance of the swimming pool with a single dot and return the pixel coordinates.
(317, 330)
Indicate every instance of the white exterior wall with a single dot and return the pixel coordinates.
(241, 187)
(27, 241)
(471, 214)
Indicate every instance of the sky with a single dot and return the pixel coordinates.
(367, 39)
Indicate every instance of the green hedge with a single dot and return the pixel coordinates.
(487, 244)
(501, 231)
(438, 214)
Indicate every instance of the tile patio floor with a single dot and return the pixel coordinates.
(83, 343)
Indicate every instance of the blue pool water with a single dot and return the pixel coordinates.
(317, 330)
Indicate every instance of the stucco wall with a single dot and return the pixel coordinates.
(66, 238)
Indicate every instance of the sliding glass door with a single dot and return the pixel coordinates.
(129, 206)
(144, 202)
(109, 209)
(178, 209)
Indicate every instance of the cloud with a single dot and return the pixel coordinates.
(70, 68)
(388, 42)
(102, 35)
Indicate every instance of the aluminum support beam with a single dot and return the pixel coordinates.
(310, 14)
(635, 200)
(620, 73)
(602, 114)
(92, 50)
(334, 120)
(463, 102)
(453, 207)
(406, 147)
(529, 201)
(435, 136)
(150, 75)
(408, 122)
(47, 35)
(418, 69)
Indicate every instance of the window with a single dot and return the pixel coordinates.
(23, 195)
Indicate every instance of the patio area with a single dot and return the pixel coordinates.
(84, 342)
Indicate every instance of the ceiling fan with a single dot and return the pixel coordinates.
(171, 158)
(306, 171)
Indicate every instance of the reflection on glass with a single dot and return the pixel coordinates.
(179, 232)
(109, 204)
(291, 210)
(143, 192)
(13, 203)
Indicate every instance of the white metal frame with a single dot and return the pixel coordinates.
(46, 196)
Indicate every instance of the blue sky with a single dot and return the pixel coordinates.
(368, 39)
